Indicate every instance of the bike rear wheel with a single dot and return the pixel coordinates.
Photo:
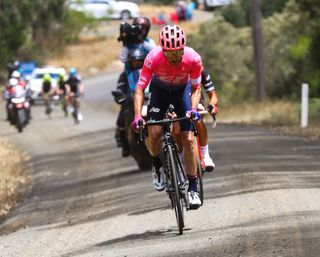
(175, 192)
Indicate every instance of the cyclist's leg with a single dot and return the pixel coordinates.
(203, 138)
(189, 149)
(156, 111)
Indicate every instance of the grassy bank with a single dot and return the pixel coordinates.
(283, 116)
(13, 176)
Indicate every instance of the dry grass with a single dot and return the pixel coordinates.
(282, 116)
(275, 112)
(13, 178)
(90, 56)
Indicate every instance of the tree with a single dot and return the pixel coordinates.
(238, 14)
(40, 21)
(258, 49)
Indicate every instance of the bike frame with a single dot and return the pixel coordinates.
(174, 179)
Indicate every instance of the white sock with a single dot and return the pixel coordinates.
(205, 150)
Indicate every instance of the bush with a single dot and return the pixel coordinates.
(228, 55)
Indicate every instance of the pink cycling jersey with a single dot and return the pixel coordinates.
(156, 64)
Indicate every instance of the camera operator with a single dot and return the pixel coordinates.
(135, 36)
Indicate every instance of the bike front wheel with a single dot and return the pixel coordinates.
(175, 191)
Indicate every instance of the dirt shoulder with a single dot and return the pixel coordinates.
(14, 177)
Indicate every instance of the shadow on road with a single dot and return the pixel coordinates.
(260, 236)
(89, 181)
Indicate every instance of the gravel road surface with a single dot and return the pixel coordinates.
(86, 200)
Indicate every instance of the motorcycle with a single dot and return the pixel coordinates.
(19, 108)
(138, 149)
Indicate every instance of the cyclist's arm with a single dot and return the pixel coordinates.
(195, 81)
(195, 97)
(213, 98)
(138, 101)
(123, 56)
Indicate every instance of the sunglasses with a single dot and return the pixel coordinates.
(175, 53)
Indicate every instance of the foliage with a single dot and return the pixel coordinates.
(238, 14)
(228, 55)
(31, 28)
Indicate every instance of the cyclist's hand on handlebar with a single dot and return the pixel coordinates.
(138, 123)
(213, 109)
(193, 114)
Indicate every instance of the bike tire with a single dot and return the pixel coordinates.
(175, 193)
(200, 180)
(20, 120)
(75, 113)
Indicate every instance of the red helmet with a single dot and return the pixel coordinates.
(144, 22)
(172, 38)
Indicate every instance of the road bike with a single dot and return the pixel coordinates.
(176, 182)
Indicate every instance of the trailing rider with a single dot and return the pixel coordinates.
(75, 90)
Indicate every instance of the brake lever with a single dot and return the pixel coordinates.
(140, 123)
(214, 124)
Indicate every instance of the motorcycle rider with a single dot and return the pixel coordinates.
(74, 89)
(12, 67)
(7, 95)
(135, 37)
(126, 80)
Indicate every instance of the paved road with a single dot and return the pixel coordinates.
(263, 199)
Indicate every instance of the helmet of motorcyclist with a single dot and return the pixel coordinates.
(47, 77)
(172, 38)
(136, 58)
(16, 74)
(13, 82)
(145, 24)
(16, 64)
(72, 72)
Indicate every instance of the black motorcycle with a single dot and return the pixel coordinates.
(138, 149)
(19, 108)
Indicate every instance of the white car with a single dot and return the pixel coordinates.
(106, 9)
(35, 83)
(210, 4)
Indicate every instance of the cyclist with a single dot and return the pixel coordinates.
(171, 67)
(201, 127)
(47, 92)
(63, 93)
(126, 81)
(74, 89)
